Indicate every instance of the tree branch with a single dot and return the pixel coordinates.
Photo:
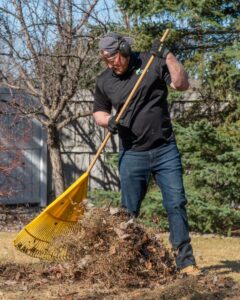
(73, 118)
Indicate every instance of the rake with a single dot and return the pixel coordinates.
(61, 217)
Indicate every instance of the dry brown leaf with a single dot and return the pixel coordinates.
(148, 265)
(10, 282)
(59, 275)
(151, 249)
(18, 275)
(112, 250)
(114, 210)
(70, 296)
(100, 243)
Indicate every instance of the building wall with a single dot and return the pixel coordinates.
(23, 153)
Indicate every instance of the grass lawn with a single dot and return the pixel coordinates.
(217, 254)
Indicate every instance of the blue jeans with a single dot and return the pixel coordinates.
(164, 163)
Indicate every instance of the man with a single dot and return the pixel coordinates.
(147, 143)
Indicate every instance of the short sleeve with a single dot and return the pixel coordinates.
(101, 101)
(163, 71)
(166, 75)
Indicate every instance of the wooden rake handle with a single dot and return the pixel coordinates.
(123, 109)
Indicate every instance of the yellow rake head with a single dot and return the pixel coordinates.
(58, 219)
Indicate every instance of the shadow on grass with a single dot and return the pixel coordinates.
(231, 265)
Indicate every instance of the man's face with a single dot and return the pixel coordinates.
(116, 62)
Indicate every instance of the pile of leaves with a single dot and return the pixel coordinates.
(117, 250)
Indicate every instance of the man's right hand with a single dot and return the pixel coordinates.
(163, 50)
(112, 125)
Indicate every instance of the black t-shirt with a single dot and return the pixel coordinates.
(146, 123)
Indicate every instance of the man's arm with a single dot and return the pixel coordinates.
(179, 76)
(102, 118)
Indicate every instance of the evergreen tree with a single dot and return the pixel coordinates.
(205, 36)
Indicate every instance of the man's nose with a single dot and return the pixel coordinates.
(117, 59)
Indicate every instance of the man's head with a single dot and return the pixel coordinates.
(115, 51)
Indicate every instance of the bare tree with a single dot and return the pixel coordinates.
(49, 47)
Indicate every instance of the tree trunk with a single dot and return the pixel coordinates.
(55, 158)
